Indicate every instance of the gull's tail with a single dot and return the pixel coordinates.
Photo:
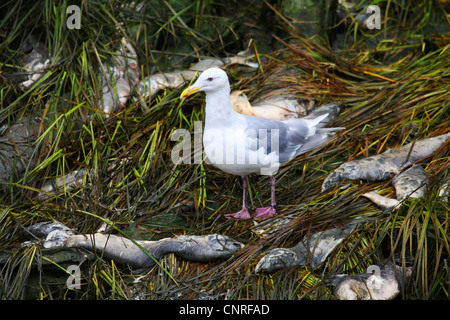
(314, 141)
(315, 136)
(323, 130)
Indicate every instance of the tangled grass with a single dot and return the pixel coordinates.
(390, 94)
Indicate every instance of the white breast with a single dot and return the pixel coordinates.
(236, 152)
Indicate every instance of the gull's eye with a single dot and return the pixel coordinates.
(209, 79)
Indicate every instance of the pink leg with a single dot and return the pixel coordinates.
(243, 214)
(268, 211)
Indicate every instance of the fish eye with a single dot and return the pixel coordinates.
(210, 79)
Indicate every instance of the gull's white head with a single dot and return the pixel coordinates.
(211, 80)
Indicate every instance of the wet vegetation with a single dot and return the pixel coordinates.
(393, 86)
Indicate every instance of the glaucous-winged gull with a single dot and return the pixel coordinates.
(242, 144)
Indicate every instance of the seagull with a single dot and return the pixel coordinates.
(241, 144)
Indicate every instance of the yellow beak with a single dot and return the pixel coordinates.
(189, 91)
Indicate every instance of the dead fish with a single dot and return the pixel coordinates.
(282, 107)
(53, 233)
(386, 165)
(42, 229)
(240, 103)
(383, 202)
(314, 250)
(119, 76)
(125, 252)
(56, 238)
(279, 107)
(151, 85)
(411, 183)
(383, 284)
(67, 182)
(36, 63)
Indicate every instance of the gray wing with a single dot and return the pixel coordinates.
(276, 135)
(293, 136)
